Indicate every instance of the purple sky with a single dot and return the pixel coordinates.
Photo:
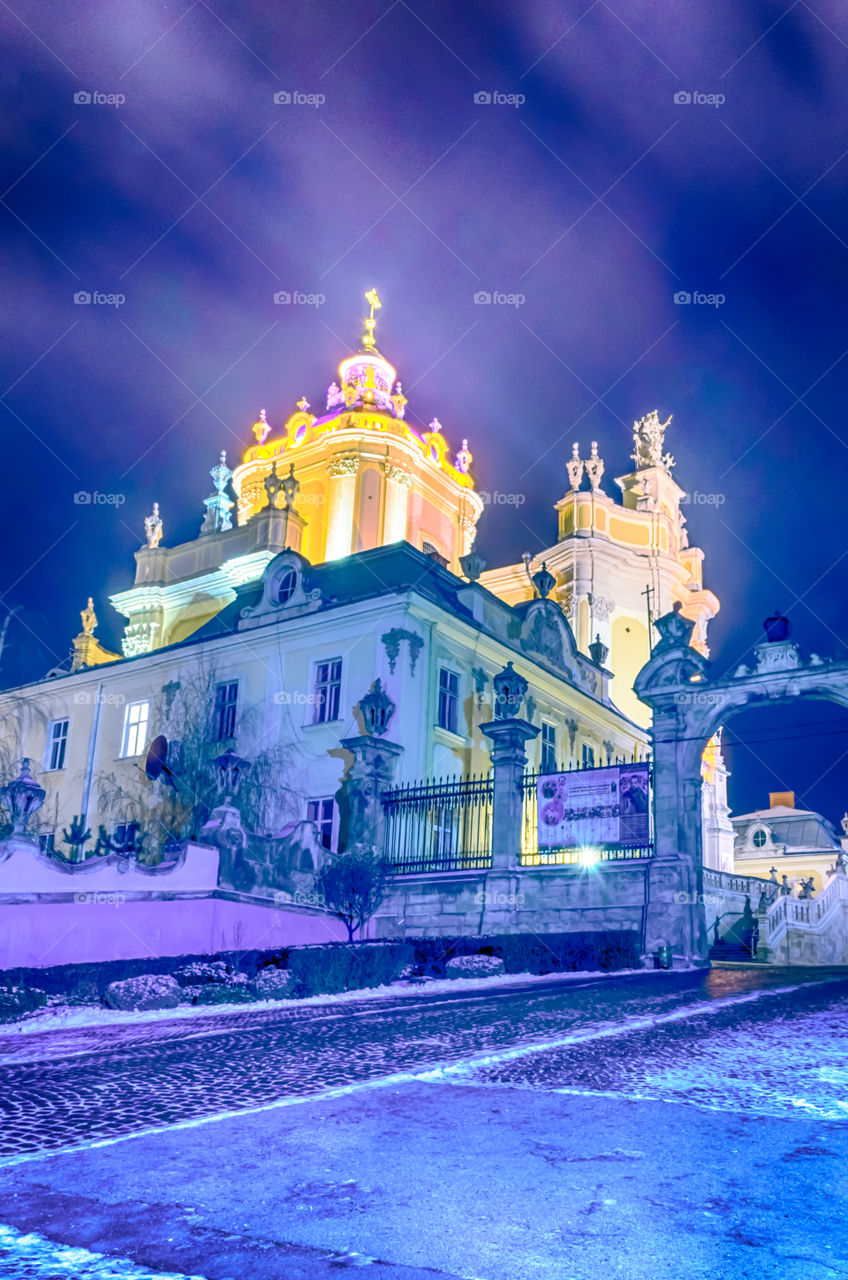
(597, 198)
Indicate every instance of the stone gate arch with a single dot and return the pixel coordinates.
(689, 704)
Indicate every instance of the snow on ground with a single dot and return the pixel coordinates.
(65, 1017)
(33, 1256)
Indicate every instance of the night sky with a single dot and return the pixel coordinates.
(595, 199)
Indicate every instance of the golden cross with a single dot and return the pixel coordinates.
(368, 340)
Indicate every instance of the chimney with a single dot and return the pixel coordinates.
(785, 798)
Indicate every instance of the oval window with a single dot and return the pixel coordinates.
(286, 584)
(760, 838)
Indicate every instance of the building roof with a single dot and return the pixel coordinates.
(796, 828)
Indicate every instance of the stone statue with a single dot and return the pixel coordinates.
(675, 630)
(648, 439)
(153, 527)
(807, 888)
(594, 467)
(89, 617)
(785, 887)
(303, 404)
(773, 875)
(844, 824)
(574, 467)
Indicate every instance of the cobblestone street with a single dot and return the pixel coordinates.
(650, 1114)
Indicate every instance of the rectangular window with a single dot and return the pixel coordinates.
(448, 709)
(588, 756)
(328, 690)
(47, 842)
(57, 741)
(548, 760)
(224, 711)
(321, 813)
(124, 836)
(134, 738)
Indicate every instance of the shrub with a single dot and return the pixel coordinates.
(17, 1001)
(202, 971)
(474, 967)
(536, 953)
(330, 969)
(354, 886)
(273, 984)
(150, 991)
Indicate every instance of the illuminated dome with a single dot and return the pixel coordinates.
(367, 478)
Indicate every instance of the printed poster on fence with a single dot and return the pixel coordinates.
(594, 807)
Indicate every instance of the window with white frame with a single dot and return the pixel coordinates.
(548, 757)
(588, 756)
(447, 712)
(321, 813)
(124, 836)
(760, 838)
(57, 742)
(224, 710)
(136, 716)
(47, 842)
(328, 690)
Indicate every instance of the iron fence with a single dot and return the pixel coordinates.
(533, 856)
(440, 826)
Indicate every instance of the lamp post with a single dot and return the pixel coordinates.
(23, 798)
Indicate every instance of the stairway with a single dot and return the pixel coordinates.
(735, 945)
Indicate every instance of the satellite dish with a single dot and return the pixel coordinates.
(155, 765)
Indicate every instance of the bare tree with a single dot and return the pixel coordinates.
(354, 886)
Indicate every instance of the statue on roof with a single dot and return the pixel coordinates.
(369, 342)
(89, 617)
(574, 467)
(595, 467)
(153, 527)
(261, 428)
(648, 440)
(218, 506)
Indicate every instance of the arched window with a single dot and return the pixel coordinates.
(286, 584)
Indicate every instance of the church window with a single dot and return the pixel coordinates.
(57, 742)
(321, 813)
(224, 713)
(588, 756)
(447, 716)
(548, 759)
(328, 690)
(134, 737)
(286, 584)
(760, 838)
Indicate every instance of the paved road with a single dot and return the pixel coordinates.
(61, 1089)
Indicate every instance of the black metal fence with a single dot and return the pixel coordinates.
(533, 856)
(439, 826)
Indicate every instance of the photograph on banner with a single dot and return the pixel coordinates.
(595, 807)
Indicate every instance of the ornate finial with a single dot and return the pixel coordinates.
(273, 484)
(435, 425)
(574, 467)
(89, 617)
(648, 438)
(464, 458)
(218, 506)
(472, 565)
(153, 527)
(261, 428)
(291, 488)
(377, 709)
(544, 582)
(776, 628)
(594, 467)
(368, 339)
(599, 652)
(303, 404)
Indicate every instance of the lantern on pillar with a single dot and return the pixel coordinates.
(23, 798)
(377, 710)
(510, 690)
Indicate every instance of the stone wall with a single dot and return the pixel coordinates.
(527, 900)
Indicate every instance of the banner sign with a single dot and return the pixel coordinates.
(595, 807)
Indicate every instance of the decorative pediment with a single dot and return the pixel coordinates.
(546, 633)
(285, 591)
